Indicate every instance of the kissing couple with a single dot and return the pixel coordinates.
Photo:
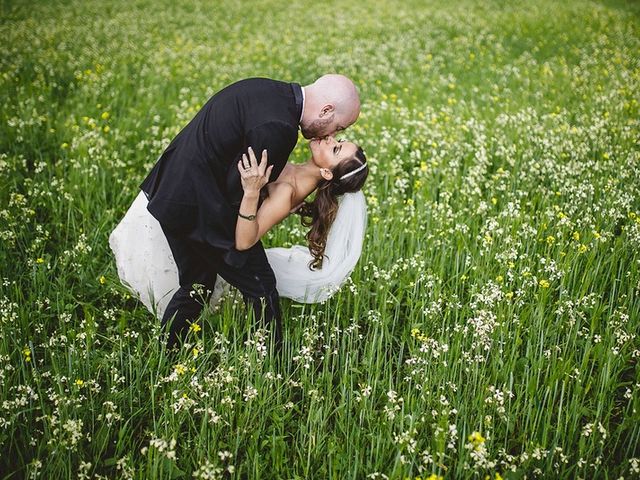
(224, 181)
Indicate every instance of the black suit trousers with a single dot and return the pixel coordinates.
(200, 263)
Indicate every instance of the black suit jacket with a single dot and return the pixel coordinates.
(194, 188)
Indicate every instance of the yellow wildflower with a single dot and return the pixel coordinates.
(476, 439)
(79, 382)
(194, 327)
(103, 280)
(544, 283)
(39, 260)
(497, 477)
(576, 236)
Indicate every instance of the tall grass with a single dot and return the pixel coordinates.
(491, 325)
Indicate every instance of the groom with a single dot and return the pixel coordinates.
(194, 189)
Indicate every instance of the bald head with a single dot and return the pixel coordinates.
(331, 104)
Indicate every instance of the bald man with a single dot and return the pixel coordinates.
(331, 105)
(194, 189)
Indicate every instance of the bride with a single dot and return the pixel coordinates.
(337, 216)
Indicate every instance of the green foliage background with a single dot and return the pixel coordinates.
(491, 326)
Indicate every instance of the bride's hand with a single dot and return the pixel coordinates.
(254, 176)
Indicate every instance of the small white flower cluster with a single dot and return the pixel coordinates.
(587, 430)
(496, 398)
(315, 346)
(480, 456)
(72, 432)
(394, 404)
(259, 342)
(212, 471)
(250, 392)
(111, 414)
(124, 466)
(213, 417)
(406, 441)
(363, 393)
(377, 475)
(165, 448)
(183, 402)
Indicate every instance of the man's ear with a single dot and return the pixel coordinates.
(326, 110)
(326, 173)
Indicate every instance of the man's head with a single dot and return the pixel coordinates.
(331, 104)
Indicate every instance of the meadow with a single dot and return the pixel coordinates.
(490, 329)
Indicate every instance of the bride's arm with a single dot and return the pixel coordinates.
(272, 211)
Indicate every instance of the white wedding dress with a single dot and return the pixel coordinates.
(146, 266)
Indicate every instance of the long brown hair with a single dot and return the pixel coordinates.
(320, 213)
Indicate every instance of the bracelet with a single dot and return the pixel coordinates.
(248, 217)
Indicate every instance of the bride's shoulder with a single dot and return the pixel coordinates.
(280, 190)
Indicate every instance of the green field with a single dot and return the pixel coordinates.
(490, 329)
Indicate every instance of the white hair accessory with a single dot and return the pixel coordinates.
(347, 175)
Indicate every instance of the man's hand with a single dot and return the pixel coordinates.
(254, 176)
